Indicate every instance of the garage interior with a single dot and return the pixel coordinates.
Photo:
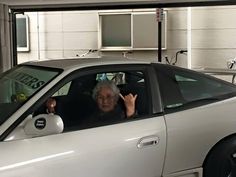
(194, 34)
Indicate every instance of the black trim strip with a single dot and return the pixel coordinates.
(120, 5)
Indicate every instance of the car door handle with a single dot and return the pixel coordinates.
(151, 140)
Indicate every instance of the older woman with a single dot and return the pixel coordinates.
(106, 94)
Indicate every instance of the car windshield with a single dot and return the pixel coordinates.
(19, 84)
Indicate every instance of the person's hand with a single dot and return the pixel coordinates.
(129, 101)
(51, 104)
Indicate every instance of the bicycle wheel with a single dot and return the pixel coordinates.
(234, 79)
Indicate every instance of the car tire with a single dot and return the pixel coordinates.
(221, 162)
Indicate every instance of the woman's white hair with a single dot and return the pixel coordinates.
(108, 84)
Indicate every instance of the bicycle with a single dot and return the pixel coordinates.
(231, 64)
(86, 53)
(176, 57)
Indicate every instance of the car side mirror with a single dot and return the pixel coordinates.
(44, 124)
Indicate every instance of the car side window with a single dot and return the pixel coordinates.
(195, 87)
(63, 90)
(76, 104)
(183, 89)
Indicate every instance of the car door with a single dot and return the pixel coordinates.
(131, 148)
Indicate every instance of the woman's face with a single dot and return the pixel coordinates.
(106, 99)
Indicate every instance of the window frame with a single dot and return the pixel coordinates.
(27, 47)
(132, 16)
(145, 68)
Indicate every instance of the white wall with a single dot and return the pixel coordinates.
(60, 34)
(66, 34)
(213, 36)
(177, 35)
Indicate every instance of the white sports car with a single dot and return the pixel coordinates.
(185, 124)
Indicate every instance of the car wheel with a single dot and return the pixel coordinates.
(221, 162)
